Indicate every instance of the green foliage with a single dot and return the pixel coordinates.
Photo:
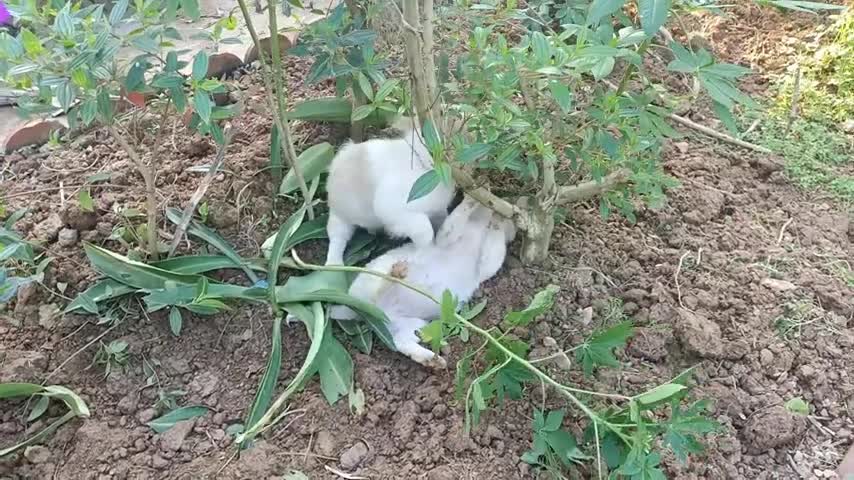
(114, 355)
(553, 446)
(598, 349)
(67, 55)
(167, 421)
(76, 408)
(798, 406)
(19, 264)
(826, 86)
(816, 156)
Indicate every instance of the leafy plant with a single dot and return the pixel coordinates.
(19, 264)
(76, 408)
(343, 49)
(65, 57)
(111, 356)
(543, 110)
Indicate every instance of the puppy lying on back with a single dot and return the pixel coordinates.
(469, 249)
(369, 186)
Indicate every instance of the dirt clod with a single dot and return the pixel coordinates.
(37, 454)
(773, 428)
(699, 335)
(172, 439)
(67, 237)
(353, 456)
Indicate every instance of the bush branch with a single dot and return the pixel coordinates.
(147, 172)
(585, 190)
(276, 98)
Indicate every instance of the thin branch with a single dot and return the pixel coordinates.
(716, 134)
(484, 196)
(199, 193)
(403, 21)
(796, 96)
(147, 172)
(585, 190)
(278, 117)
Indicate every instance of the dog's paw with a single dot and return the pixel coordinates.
(436, 363)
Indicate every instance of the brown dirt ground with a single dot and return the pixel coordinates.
(705, 279)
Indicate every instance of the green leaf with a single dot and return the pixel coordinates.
(561, 94)
(329, 109)
(85, 200)
(165, 422)
(660, 393)
(71, 399)
(203, 105)
(99, 292)
(425, 184)
(386, 88)
(295, 475)
(38, 409)
(214, 239)
(599, 9)
(541, 302)
(805, 6)
(553, 421)
(431, 136)
(376, 318)
(541, 48)
(474, 152)
(653, 14)
(598, 349)
(118, 12)
(175, 321)
(15, 389)
(276, 165)
(191, 264)
(432, 334)
(200, 66)
(267, 386)
(680, 432)
(362, 111)
(335, 368)
(191, 8)
(136, 77)
(798, 406)
(312, 162)
(365, 86)
(286, 230)
(725, 116)
(167, 81)
(105, 107)
(131, 272)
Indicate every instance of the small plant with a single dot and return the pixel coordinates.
(19, 264)
(66, 54)
(112, 356)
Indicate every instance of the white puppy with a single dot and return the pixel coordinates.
(369, 186)
(469, 249)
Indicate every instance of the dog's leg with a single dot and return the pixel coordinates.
(339, 233)
(406, 340)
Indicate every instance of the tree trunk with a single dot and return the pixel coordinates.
(539, 223)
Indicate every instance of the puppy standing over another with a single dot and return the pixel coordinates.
(369, 185)
(469, 249)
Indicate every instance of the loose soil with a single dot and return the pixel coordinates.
(739, 274)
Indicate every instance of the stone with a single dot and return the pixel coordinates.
(699, 335)
(48, 229)
(37, 454)
(353, 456)
(67, 237)
(325, 443)
(49, 315)
(31, 133)
(172, 439)
(146, 415)
(773, 428)
(778, 285)
(129, 403)
(22, 365)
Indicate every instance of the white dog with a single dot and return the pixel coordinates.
(369, 185)
(469, 249)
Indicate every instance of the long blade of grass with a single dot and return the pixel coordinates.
(37, 438)
(133, 273)
(267, 386)
(214, 239)
(311, 230)
(15, 389)
(105, 289)
(375, 318)
(315, 323)
(275, 157)
(282, 238)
